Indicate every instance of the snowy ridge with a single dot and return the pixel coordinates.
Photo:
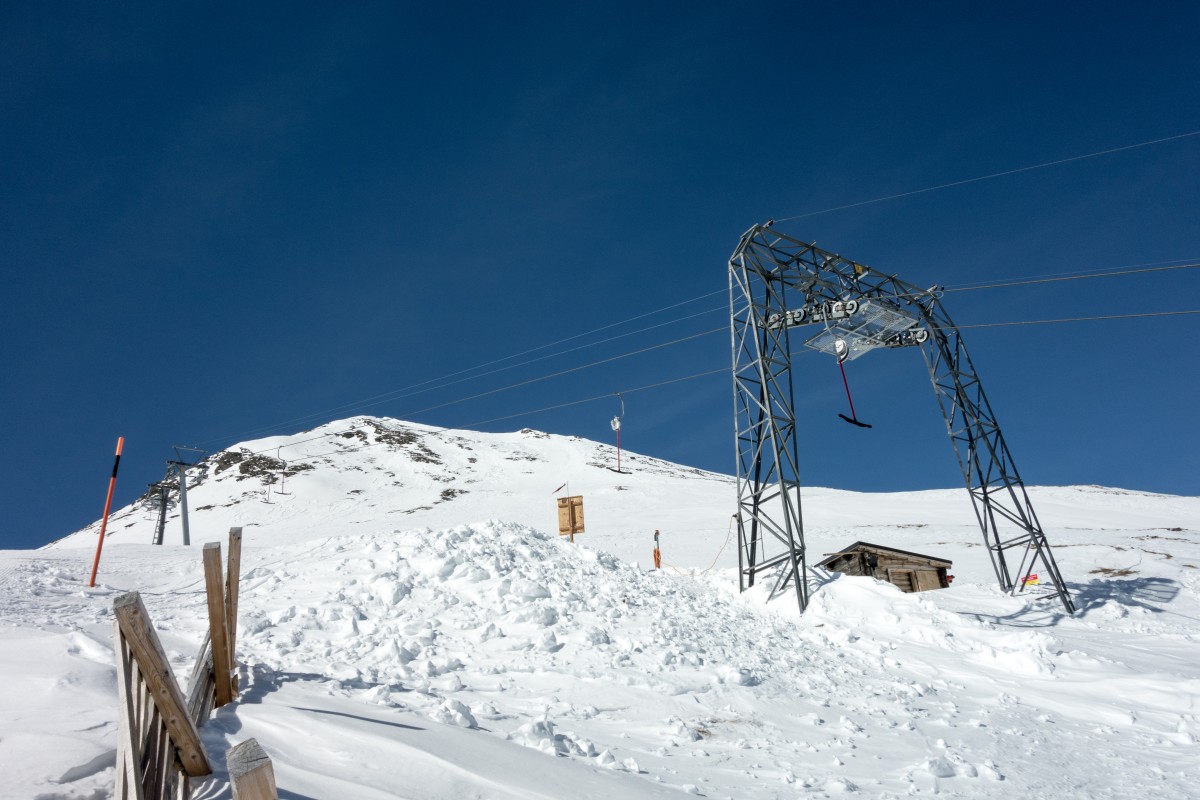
(365, 470)
(492, 659)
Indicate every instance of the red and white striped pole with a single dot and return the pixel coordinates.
(112, 483)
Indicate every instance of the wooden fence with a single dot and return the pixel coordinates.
(158, 744)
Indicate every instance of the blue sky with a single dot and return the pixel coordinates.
(216, 219)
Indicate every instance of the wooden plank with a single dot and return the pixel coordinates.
(577, 514)
(149, 714)
(250, 772)
(927, 579)
(218, 632)
(141, 701)
(174, 776)
(201, 689)
(127, 754)
(183, 786)
(205, 645)
(570, 515)
(157, 743)
(147, 650)
(902, 578)
(151, 755)
(564, 516)
(233, 574)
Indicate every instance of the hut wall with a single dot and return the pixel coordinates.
(907, 574)
(851, 564)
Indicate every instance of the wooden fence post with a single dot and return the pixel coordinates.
(200, 690)
(233, 574)
(217, 624)
(158, 745)
(147, 664)
(128, 741)
(250, 772)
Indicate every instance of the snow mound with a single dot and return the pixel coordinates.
(389, 650)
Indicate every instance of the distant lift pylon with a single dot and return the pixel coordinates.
(177, 475)
(616, 426)
(779, 285)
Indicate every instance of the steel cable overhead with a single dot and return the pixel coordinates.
(469, 425)
(608, 395)
(989, 177)
(1148, 267)
(1098, 273)
(1065, 276)
(392, 394)
(1078, 319)
(397, 393)
(1056, 279)
(543, 358)
(537, 379)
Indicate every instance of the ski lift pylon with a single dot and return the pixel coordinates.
(282, 472)
(616, 426)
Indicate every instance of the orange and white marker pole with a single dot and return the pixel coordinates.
(112, 483)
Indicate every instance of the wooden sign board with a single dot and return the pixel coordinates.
(570, 515)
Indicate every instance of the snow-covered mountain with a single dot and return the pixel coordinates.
(412, 626)
(383, 473)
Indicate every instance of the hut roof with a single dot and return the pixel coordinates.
(867, 546)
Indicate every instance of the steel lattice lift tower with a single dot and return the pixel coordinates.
(779, 285)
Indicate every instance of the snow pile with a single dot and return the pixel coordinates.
(494, 660)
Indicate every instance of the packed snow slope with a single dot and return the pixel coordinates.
(412, 626)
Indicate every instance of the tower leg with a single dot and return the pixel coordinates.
(183, 508)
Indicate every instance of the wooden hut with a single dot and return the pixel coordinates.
(912, 572)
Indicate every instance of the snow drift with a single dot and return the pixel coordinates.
(408, 628)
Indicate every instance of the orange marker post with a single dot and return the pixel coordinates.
(112, 484)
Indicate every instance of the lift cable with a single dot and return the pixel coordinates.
(396, 393)
(1005, 284)
(473, 425)
(1077, 319)
(1066, 276)
(405, 391)
(537, 379)
(400, 394)
(608, 395)
(568, 371)
(701, 374)
(989, 177)
(1085, 273)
